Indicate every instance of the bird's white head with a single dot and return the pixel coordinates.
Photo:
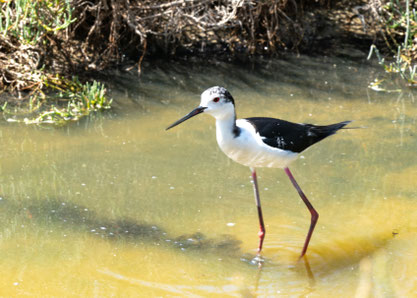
(216, 101)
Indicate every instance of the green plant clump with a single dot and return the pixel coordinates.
(400, 23)
(73, 101)
(29, 20)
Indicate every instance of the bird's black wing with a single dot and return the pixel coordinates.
(291, 136)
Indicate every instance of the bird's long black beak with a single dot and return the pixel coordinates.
(193, 113)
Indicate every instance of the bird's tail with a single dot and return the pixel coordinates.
(327, 130)
(335, 127)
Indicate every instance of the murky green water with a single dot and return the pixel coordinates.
(117, 206)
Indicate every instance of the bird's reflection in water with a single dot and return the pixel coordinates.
(263, 264)
(310, 274)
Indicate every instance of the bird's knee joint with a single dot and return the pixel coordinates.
(261, 234)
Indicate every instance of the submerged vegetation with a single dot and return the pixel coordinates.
(46, 44)
(73, 101)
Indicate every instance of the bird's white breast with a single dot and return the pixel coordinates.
(248, 148)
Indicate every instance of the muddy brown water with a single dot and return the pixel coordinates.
(117, 206)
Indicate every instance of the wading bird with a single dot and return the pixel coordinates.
(261, 142)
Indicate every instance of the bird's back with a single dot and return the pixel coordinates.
(291, 136)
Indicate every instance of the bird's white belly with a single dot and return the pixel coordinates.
(249, 150)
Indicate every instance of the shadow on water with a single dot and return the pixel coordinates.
(301, 75)
(67, 215)
(79, 218)
(355, 250)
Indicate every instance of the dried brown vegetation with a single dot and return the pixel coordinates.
(100, 33)
(134, 27)
(70, 36)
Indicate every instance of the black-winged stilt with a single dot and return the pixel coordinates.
(261, 142)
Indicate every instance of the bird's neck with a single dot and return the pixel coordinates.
(226, 126)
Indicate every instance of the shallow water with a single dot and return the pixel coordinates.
(117, 206)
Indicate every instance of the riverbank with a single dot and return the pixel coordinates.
(48, 47)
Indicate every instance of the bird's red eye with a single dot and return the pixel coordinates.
(216, 99)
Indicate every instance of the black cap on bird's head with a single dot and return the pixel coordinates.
(218, 91)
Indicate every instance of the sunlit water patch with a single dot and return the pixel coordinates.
(115, 205)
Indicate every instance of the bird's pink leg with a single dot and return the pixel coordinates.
(314, 214)
(261, 233)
